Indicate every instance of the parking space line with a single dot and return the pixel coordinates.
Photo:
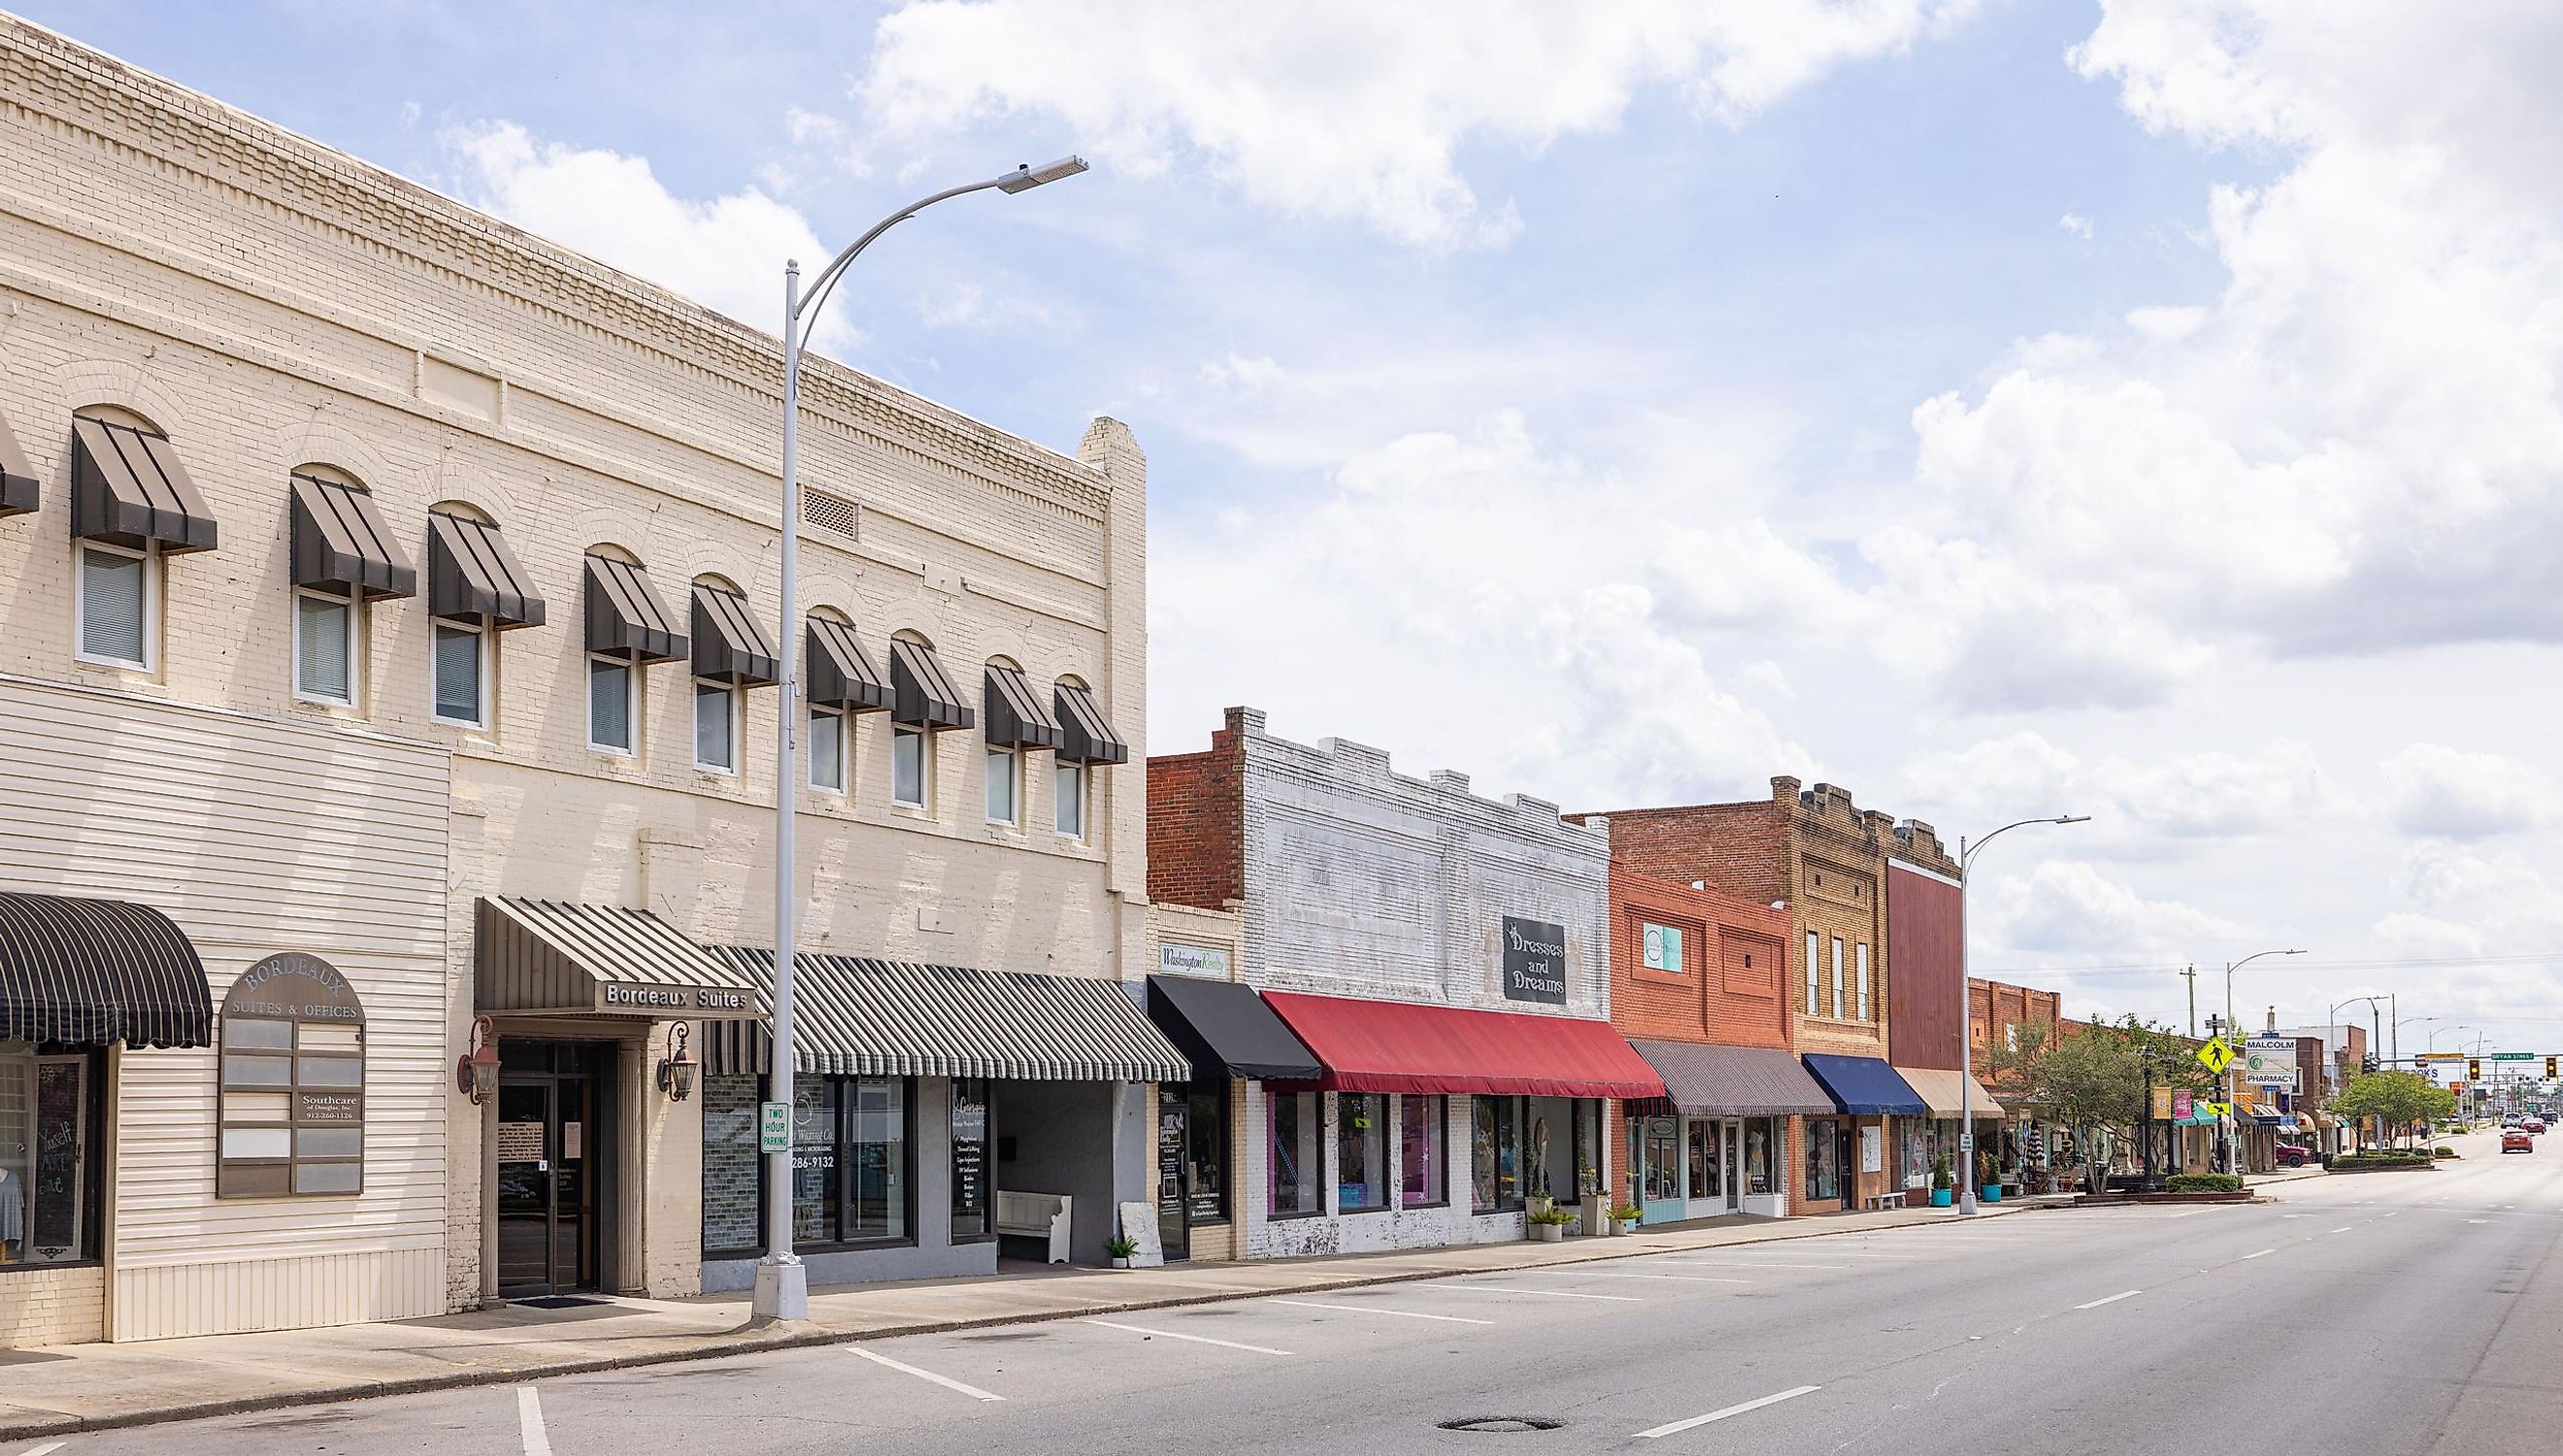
(2344, 1228)
(2262, 1254)
(1310, 1303)
(1679, 1426)
(1551, 1293)
(2113, 1298)
(41, 1450)
(1194, 1339)
(930, 1376)
(529, 1422)
(1683, 1278)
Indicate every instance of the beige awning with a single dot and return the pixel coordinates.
(546, 956)
(1941, 1090)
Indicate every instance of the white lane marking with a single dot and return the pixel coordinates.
(2344, 1228)
(1676, 1428)
(930, 1376)
(1177, 1335)
(2262, 1254)
(1551, 1293)
(1755, 1264)
(2113, 1298)
(41, 1450)
(1310, 1303)
(529, 1422)
(1684, 1278)
(2478, 1220)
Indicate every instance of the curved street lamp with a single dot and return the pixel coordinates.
(2234, 1030)
(782, 1284)
(1968, 1181)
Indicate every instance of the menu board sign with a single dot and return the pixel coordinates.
(293, 1088)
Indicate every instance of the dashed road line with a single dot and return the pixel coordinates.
(1683, 1278)
(2113, 1298)
(2262, 1254)
(2344, 1228)
(529, 1422)
(1310, 1303)
(1177, 1335)
(1551, 1293)
(930, 1376)
(1756, 1264)
(1676, 1428)
(41, 1450)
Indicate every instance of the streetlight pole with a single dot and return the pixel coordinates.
(782, 1283)
(2376, 1028)
(2234, 1029)
(1968, 1181)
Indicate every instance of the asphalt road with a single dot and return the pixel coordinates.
(2351, 1314)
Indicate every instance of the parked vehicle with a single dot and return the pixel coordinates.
(2518, 1139)
(2291, 1156)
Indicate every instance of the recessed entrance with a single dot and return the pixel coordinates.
(554, 1122)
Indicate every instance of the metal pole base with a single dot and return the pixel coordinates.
(1966, 1208)
(782, 1289)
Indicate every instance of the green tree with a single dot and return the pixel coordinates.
(2397, 1100)
(2092, 1080)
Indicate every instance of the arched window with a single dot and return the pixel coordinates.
(475, 590)
(628, 627)
(132, 503)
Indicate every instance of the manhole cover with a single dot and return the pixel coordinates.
(1501, 1423)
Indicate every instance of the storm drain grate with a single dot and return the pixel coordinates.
(1501, 1423)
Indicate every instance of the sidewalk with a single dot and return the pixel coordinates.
(2285, 1174)
(75, 1387)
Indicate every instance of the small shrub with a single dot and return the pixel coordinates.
(2205, 1183)
(1552, 1215)
(2443, 1151)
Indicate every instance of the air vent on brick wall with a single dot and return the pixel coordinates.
(830, 513)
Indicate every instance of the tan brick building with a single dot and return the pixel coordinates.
(390, 575)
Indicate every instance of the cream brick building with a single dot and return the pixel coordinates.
(270, 309)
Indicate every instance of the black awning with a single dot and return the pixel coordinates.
(1085, 737)
(128, 489)
(1015, 717)
(472, 574)
(625, 618)
(339, 540)
(840, 675)
(921, 694)
(1221, 1023)
(18, 490)
(92, 972)
(729, 644)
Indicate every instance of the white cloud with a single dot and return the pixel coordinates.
(2446, 792)
(2067, 908)
(2075, 223)
(2142, 810)
(1349, 110)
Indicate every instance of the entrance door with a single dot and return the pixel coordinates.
(549, 1221)
(1661, 1184)
(1706, 1170)
(1174, 1147)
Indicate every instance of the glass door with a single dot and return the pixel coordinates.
(1174, 1147)
(546, 1196)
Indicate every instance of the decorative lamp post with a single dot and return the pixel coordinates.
(1967, 1014)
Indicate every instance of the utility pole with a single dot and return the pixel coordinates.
(2192, 974)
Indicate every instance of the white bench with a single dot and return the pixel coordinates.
(1879, 1203)
(1036, 1216)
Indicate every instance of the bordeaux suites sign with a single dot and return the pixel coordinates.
(1534, 961)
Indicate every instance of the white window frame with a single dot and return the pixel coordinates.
(1814, 975)
(835, 721)
(1838, 977)
(150, 556)
(1013, 773)
(630, 706)
(1070, 785)
(924, 802)
(355, 647)
(484, 655)
(1865, 1004)
(737, 698)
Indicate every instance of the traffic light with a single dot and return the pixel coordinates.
(2473, 1070)
(2369, 1064)
(2550, 1073)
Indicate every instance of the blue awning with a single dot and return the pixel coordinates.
(1863, 1086)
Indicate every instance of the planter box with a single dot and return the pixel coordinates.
(2093, 1200)
(1547, 1232)
(2421, 1167)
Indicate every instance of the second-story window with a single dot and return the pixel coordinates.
(1864, 1006)
(827, 750)
(1815, 975)
(628, 627)
(613, 705)
(477, 589)
(716, 707)
(117, 605)
(911, 767)
(1005, 782)
(1838, 977)
(462, 674)
(923, 703)
(327, 629)
(134, 506)
(731, 655)
(1068, 808)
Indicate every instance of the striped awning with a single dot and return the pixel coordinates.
(546, 956)
(1016, 715)
(92, 972)
(340, 540)
(473, 576)
(18, 490)
(130, 488)
(857, 1016)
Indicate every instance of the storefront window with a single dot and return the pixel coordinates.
(850, 1172)
(1495, 1154)
(730, 1171)
(817, 1190)
(876, 1158)
(970, 1198)
(1660, 1161)
(1421, 1167)
(1585, 1169)
(51, 1105)
(1206, 1152)
(1361, 1152)
(1297, 1156)
(1761, 1153)
(1705, 1138)
(1824, 1159)
(1917, 1155)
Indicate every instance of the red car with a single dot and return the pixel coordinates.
(2518, 1139)
(2291, 1156)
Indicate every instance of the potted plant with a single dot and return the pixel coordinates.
(1542, 1203)
(1623, 1219)
(1120, 1247)
(1940, 1183)
(1597, 1210)
(1988, 1182)
(1549, 1224)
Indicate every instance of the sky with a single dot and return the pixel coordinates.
(2150, 411)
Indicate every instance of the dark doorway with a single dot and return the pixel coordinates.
(553, 1120)
(1174, 1142)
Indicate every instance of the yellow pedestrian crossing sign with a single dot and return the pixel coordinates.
(2216, 1055)
(2217, 1109)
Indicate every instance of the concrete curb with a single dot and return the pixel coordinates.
(751, 1340)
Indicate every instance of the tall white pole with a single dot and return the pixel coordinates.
(1967, 1049)
(782, 1284)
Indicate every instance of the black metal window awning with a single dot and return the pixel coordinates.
(342, 542)
(922, 694)
(563, 959)
(841, 673)
(1223, 1024)
(1015, 717)
(1083, 735)
(857, 1016)
(473, 576)
(625, 618)
(729, 644)
(18, 490)
(92, 973)
(128, 488)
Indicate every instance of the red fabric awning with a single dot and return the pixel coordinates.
(1395, 1046)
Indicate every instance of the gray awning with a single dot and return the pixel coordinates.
(473, 576)
(625, 618)
(341, 541)
(128, 488)
(729, 644)
(1085, 737)
(1702, 1080)
(840, 672)
(856, 1016)
(1015, 717)
(18, 490)
(921, 694)
(92, 973)
(535, 956)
